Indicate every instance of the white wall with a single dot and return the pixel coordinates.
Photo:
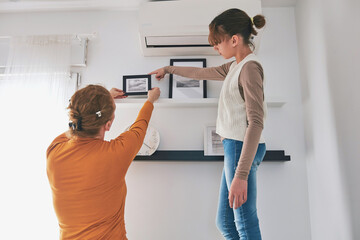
(329, 51)
(178, 200)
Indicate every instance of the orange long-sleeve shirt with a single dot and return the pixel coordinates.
(87, 179)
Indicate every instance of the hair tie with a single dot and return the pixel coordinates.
(252, 21)
(74, 126)
(98, 113)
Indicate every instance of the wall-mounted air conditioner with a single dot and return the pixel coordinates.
(172, 28)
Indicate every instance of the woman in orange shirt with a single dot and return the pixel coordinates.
(87, 173)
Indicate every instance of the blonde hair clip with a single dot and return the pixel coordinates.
(252, 21)
(98, 113)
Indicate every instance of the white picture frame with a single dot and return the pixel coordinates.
(212, 142)
(186, 88)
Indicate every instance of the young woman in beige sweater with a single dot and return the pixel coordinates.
(240, 121)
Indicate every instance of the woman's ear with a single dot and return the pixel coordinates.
(108, 125)
(236, 40)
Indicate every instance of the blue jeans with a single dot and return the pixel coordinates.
(241, 223)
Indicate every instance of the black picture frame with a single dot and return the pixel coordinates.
(140, 88)
(189, 62)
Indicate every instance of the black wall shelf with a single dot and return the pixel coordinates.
(270, 156)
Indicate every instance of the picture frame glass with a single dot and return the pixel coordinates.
(136, 85)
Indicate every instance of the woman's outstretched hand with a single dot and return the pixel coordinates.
(153, 94)
(237, 193)
(159, 73)
(117, 93)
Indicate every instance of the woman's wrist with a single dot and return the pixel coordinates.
(166, 69)
(150, 100)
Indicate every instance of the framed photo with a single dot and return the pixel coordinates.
(136, 84)
(183, 88)
(212, 142)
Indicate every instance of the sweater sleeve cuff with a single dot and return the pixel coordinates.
(167, 69)
(243, 175)
(150, 104)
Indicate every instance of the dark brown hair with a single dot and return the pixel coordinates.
(84, 107)
(231, 22)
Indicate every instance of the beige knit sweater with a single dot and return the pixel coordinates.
(251, 90)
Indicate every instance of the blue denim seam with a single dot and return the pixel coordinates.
(225, 216)
(243, 217)
(235, 162)
(241, 209)
(225, 225)
(234, 167)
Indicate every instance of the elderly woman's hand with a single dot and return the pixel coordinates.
(117, 93)
(153, 94)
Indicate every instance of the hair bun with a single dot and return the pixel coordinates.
(259, 21)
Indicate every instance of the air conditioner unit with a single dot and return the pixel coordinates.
(174, 28)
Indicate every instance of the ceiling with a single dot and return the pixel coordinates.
(8, 6)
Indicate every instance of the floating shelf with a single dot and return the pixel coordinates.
(199, 102)
(270, 156)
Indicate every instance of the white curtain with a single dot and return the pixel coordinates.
(34, 93)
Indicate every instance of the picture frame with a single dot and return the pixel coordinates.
(185, 88)
(136, 84)
(212, 142)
